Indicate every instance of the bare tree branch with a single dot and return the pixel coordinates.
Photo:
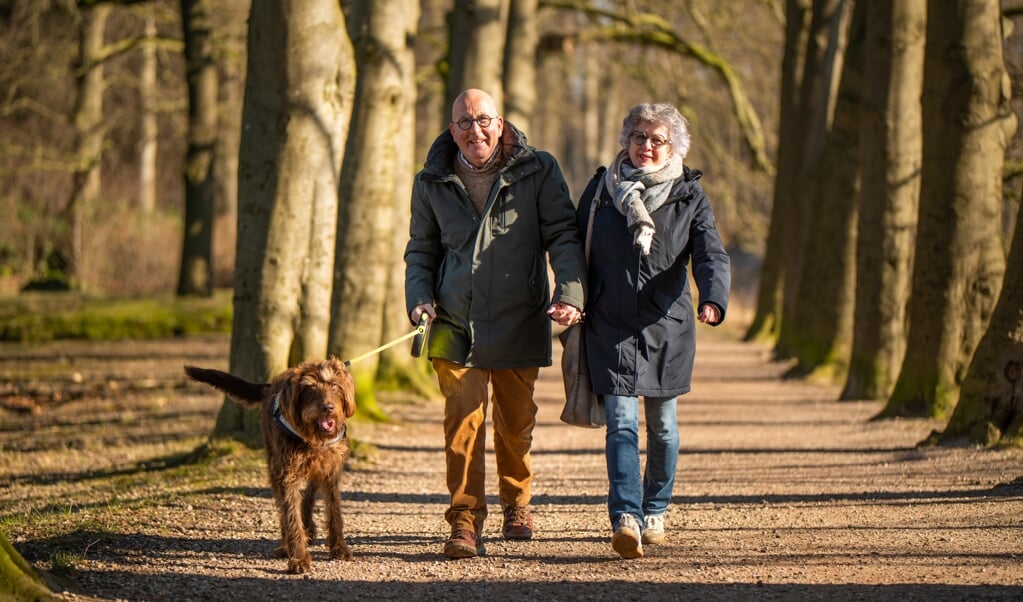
(648, 29)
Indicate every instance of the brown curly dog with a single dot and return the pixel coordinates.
(304, 410)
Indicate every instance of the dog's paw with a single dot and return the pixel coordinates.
(299, 566)
(341, 552)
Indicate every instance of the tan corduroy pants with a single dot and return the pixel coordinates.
(465, 411)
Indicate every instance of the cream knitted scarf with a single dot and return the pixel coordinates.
(649, 185)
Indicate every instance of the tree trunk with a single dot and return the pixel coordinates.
(593, 121)
(822, 68)
(18, 580)
(990, 408)
(196, 275)
(820, 338)
(959, 258)
(148, 127)
(398, 369)
(476, 33)
(891, 144)
(767, 318)
(365, 243)
(232, 82)
(89, 132)
(520, 64)
(296, 106)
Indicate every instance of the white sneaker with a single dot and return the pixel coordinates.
(654, 531)
(626, 538)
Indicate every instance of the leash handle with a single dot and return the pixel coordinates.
(422, 334)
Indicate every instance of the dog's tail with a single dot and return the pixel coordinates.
(238, 389)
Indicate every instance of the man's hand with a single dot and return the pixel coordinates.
(565, 314)
(423, 308)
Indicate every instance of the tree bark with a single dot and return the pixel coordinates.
(959, 258)
(520, 64)
(767, 318)
(231, 78)
(297, 102)
(990, 408)
(89, 132)
(891, 145)
(196, 274)
(18, 580)
(476, 48)
(365, 243)
(822, 68)
(820, 338)
(148, 126)
(398, 368)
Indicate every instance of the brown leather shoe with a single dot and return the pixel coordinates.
(463, 543)
(518, 523)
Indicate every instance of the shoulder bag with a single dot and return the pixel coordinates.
(583, 407)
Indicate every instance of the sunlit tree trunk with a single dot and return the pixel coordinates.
(18, 580)
(959, 259)
(89, 131)
(990, 408)
(817, 96)
(520, 63)
(592, 120)
(767, 318)
(232, 78)
(476, 45)
(196, 274)
(890, 154)
(148, 131)
(820, 338)
(397, 366)
(297, 102)
(365, 243)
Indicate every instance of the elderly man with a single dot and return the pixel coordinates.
(487, 209)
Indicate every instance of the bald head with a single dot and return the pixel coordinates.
(473, 102)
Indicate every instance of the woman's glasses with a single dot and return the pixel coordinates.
(639, 139)
(484, 120)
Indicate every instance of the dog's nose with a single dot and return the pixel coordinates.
(327, 407)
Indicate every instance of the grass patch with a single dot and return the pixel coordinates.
(64, 562)
(39, 317)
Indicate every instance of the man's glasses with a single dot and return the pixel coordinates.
(484, 120)
(639, 139)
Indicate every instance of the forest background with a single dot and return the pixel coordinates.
(155, 146)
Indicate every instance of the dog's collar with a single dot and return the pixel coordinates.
(294, 434)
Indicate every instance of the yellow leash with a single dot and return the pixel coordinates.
(421, 329)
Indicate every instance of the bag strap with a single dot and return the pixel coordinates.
(595, 185)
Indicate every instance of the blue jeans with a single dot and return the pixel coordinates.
(628, 493)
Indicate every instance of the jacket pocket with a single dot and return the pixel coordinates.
(672, 306)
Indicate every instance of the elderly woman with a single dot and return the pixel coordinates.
(652, 218)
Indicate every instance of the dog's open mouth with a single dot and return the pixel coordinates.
(326, 425)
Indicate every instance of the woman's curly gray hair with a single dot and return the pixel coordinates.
(659, 114)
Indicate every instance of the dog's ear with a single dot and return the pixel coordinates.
(343, 379)
(349, 395)
(289, 392)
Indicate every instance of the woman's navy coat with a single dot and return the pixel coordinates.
(640, 337)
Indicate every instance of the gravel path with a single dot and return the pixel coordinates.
(782, 494)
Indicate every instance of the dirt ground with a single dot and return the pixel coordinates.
(782, 494)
